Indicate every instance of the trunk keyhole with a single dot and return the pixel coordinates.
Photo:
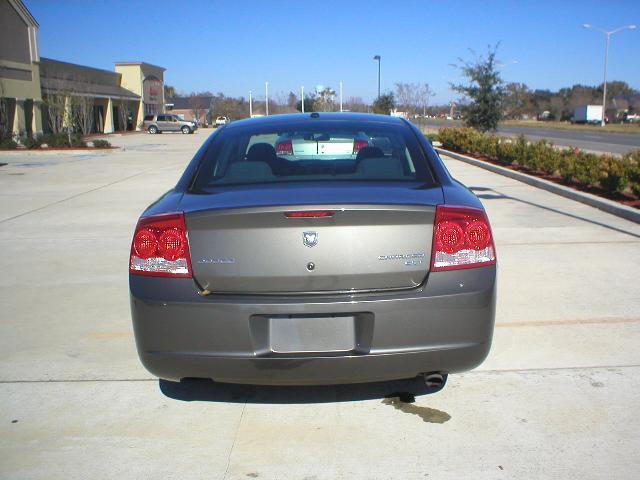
(311, 266)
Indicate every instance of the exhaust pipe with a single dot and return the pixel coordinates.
(435, 380)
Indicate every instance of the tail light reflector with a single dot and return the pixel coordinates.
(316, 214)
(461, 239)
(160, 247)
(284, 148)
(358, 144)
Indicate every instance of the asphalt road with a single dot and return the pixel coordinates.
(557, 397)
(596, 141)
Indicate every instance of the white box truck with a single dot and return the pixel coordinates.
(587, 114)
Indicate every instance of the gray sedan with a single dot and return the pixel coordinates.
(265, 267)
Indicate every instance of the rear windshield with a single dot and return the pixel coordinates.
(313, 151)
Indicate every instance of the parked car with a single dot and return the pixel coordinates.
(165, 122)
(221, 121)
(268, 268)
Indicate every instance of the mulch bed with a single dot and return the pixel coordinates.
(624, 199)
(53, 149)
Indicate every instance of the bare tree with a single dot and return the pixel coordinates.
(412, 97)
(82, 113)
(405, 96)
(123, 114)
(4, 115)
(424, 94)
(292, 101)
(356, 104)
(197, 105)
(55, 105)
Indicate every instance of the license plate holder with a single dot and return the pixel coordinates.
(307, 334)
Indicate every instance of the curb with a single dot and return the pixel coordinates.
(603, 204)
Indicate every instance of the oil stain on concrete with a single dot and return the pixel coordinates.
(404, 402)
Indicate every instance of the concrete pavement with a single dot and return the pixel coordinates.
(557, 397)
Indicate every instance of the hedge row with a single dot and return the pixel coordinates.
(50, 139)
(613, 174)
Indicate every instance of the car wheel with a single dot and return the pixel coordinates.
(186, 130)
(153, 129)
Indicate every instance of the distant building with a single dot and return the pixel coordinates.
(101, 86)
(193, 108)
(29, 84)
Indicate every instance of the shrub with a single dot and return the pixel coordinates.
(568, 158)
(62, 140)
(447, 137)
(544, 157)
(507, 152)
(76, 140)
(490, 145)
(586, 168)
(55, 139)
(613, 174)
(432, 137)
(31, 142)
(101, 144)
(8, 142)
(632, 160)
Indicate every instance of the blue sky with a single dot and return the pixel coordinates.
(235, 46)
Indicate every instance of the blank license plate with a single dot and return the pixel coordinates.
(312, 334)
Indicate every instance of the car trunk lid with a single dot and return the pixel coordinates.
(242, 243)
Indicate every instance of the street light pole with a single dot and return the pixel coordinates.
(266, 98)
(302, 97)
(607, 34)
(378, 58)
(250, 105)
(341, 95)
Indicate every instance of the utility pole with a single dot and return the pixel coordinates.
(302, 97)
(266, 97)
(606, 59)
(250, 105)
(341, 95)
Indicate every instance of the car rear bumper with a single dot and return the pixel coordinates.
(444, 326)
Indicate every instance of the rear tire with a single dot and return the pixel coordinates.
(186, 130)
(153, 129)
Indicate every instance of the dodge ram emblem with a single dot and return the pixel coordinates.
(310, 239)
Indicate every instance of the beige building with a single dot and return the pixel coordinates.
(43, 95)
(146, 81)
(20, 94)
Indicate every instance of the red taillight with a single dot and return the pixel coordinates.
(316, 214)
(461, 239)
(358, 144)
(160, 247)
(284, 148)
